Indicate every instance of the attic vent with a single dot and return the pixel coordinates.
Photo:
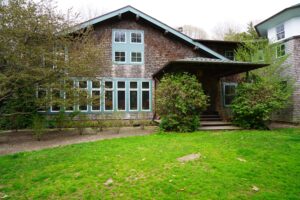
(180, 29)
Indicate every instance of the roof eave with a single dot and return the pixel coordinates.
(153, 21)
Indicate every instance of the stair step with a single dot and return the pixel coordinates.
(215, 123)
(209, 116)
(213, 128)
(211, 119)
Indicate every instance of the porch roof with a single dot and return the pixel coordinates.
(213, 67)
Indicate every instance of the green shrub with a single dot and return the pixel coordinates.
(39, 124)
(256, 101)
(17, 111)
(180, 100)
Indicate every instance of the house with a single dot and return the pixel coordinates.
(138, 51)
(284, 28)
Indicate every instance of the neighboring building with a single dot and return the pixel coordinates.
(284, 28)
(138, 50)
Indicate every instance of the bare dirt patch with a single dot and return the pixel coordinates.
(13, 142)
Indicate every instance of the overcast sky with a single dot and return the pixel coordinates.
(204, 14)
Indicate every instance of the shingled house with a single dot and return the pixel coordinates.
(284, 28)
(139, 50)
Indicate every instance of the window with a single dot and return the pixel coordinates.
(121, 96)
(82, 95)
(136, 37)
(120, 56)
(145, 95)
(120, 36)
(127, 46)
(228, 92)
(229, 54)
(280, 33)
(136, 57)
(280, 50)
(109, 96)
(96, 98)
(133, 96)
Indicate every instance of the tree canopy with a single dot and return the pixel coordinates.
(41, 48)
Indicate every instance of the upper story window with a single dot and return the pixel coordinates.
(280, 33)
(229, 54)
(128, 46)
(120, 36)
(280, 50)
(136, 37)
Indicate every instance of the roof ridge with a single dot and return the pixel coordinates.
(152, 20)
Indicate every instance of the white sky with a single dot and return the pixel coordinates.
(204, 14)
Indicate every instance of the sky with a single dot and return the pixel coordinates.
(207, 14)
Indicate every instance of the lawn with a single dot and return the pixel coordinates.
(145, 167)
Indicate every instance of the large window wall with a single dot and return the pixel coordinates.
(105, 96)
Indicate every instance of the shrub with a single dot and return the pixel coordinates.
(180, 99)
(38, 125)
(255, 102)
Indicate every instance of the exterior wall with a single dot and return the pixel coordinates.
(291, 28)
(292, 112)
(159, 49)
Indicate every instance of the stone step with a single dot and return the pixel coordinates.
(211, 119)
(215, 123)
(209, 116)
(215, 128)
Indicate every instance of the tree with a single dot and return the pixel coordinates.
(41, 50)
(194, 32)
(265, 90)
(180, 100)
(222, 29)
(250, 34)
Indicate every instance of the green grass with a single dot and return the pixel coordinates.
(146, 168)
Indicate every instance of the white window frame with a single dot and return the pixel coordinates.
(87, 93)
(119, 61)
(96, 89)
(136, 52)
(282, 32)
(145, 89)
(137, 95)
(117, 96)
(224, 95)
(137, 32)
(113, 96)
(117, 31)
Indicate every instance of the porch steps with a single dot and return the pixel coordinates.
(215, 122)
(218, 128)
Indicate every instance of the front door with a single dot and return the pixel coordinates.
(210, 87)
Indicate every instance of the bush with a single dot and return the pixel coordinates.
(39, 124)
(256, 101)
(180, 100)
(17, 112)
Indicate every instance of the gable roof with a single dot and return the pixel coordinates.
(152, 20)
(277, 19)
